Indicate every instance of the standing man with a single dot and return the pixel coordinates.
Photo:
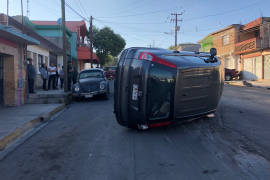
(62, 76)
(44, 75)
(52, 75)
(70, 74)
(31, 75)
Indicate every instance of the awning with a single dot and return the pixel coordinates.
(83, 53)
(12, 34)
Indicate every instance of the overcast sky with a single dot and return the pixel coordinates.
(145, 22)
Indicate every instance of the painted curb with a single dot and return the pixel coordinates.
(19, 132)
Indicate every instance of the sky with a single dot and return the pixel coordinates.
(148, 22)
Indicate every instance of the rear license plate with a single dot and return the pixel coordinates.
(88, 95)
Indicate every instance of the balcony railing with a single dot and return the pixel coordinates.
(247, 46)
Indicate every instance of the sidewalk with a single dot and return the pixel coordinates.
(16, 121)
(258, 84)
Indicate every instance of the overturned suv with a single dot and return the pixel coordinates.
(91, 82)
(156, 87)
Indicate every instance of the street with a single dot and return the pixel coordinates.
(85, 142)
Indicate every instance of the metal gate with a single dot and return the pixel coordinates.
(252, 68)
(266, 67)
(1, 80)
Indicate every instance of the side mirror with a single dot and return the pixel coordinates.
(213, 52)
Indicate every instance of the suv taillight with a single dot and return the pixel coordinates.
(151, 57)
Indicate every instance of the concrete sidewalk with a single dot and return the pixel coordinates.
(16, 121)
(258, 84)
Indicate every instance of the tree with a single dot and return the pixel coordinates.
(106, 42)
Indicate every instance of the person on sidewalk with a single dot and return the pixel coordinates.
(70, 75)
(52, 73)
(56, 78)
(62, 76)
(44, 75)
(31, 75)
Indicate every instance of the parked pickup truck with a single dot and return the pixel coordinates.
(231, 74)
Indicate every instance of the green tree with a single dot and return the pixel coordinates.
(106, 42)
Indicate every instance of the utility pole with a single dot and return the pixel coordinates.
(7, 10)
(64, 46)
(176, 28)
(22, 16)
(91, 40)
(28, 10)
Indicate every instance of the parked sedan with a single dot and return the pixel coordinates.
(91, 82)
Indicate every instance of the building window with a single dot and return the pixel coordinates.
(225, 40)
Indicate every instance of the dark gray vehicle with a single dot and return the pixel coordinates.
(155, 87)
(91, 82)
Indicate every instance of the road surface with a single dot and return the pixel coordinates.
(86, 143)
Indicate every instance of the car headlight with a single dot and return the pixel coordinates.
(77, 89)
(102, 85)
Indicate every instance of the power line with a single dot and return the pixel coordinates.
(129, 27)
(113, 22)
(138, 14)
(131, 7)
(222, 13)
(76, 12)
(82, 8)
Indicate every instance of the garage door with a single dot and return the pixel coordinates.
(266, 67)
(1, 80)
(252, 69)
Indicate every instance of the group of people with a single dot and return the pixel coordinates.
(50, 76)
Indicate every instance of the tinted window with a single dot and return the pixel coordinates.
(90, 74)
(161, 91)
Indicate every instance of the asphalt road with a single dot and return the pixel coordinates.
(86, 143)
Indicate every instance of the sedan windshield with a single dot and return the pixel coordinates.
(91, 74)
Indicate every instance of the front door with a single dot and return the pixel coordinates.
(1, 80)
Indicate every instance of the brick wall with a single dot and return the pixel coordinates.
(266, 34)
(218, 42)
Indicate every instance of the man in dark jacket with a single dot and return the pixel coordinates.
(31, 75)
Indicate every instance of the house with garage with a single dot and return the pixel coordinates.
(253, 49)
(224, 41)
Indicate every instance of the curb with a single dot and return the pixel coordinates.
(19, 132)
